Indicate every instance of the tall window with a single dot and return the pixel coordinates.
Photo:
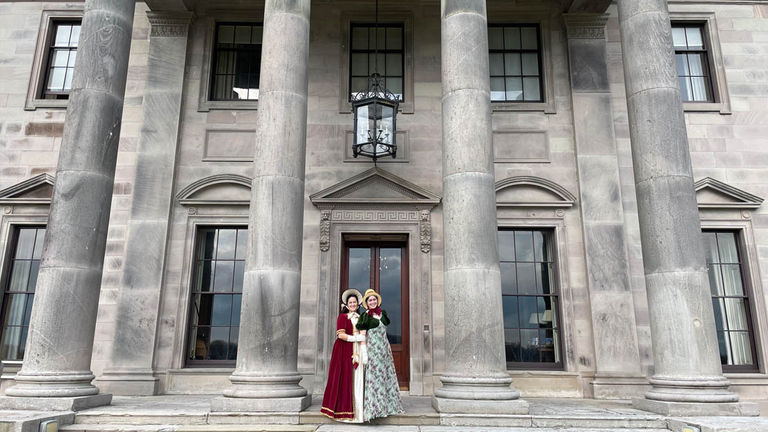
(216, 295)
(19, 290)
(515, 63)
(529, 299)
(62, 52)
(693, 73)
(236, 62)
(730, 301)
(364, 61)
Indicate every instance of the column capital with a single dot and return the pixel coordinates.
(585, 25)
(169, 24)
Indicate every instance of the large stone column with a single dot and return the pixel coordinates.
(266, 377)
(58, 356)
(617, 358)
(688, 378)
(475, 379)
(130, 369)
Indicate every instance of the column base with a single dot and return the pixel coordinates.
(607, 386)
(284, 405)
(76, 403)
(128, 382)
(490, 394)
(686, 409)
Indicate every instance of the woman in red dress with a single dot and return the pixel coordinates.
(344, 390)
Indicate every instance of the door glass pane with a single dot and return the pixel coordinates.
(360, 269)
(390, 283)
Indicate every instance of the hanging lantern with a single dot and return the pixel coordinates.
(375, 121)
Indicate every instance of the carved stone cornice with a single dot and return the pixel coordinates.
(585, 26)
(169, 24)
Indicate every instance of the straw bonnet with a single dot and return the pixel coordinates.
(369, 293)
(345, 295)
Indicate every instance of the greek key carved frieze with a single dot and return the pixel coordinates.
(375, 215)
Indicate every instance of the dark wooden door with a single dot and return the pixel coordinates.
(383, 266)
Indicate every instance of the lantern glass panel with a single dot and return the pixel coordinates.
(387, 124)
(364, 124)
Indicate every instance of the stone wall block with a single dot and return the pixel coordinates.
(588, 71)
(472, 244)
(275, 241)
(620, 357)
(467, 142)
(607, 260)
(601, 198)
(592, 136)
(465, 54)
(673, 241)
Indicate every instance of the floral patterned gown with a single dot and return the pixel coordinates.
(382, 392)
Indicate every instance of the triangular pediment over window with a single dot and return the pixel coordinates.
(221, 189)
(35, 190)
(529, 191)
(711, 193)
(374, 186)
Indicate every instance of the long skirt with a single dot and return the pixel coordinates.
(382, 393)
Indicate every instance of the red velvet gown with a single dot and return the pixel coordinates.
(337, 400)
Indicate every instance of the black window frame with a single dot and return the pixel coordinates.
(216, 52)
(747, 297)
(557, 348)
(705, 51)
(8, 267)
(50, 47)
(539, 51)
(371, 50)
(191, 323)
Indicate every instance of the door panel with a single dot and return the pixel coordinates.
(383, 266)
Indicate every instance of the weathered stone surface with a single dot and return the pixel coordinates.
(67, 292)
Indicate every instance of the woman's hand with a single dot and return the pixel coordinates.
(362, 332)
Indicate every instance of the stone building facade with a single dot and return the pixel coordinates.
(594, 199)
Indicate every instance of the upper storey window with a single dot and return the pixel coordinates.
(381, 52)
(692, 58)
(515, 63)
(236, 62)
(62, 52)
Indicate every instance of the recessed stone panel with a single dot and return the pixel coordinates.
(520, 146)
(228, 145)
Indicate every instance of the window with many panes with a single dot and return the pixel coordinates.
(529, 299)
(730, 300)
(216, 295)
(19, 290)
(364, 61)
(515, 63)
(236, 62)
(62, 53)
(692, 58)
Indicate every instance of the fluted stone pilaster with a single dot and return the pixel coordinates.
(266, 377)
(475, 379)
(688, 377)
(130, 370)
(60, 342)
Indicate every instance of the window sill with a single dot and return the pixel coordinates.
(34, 104)
(707, 107)
(206, 106)
(545, 107)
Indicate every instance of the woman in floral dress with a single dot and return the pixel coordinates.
(382, 393)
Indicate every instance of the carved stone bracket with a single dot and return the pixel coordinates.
(425, 231)
(325, 230)
(585, 26)
(163, 24)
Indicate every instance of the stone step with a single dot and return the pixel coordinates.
(336, 427)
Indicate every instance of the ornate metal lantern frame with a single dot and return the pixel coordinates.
(375, 120)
